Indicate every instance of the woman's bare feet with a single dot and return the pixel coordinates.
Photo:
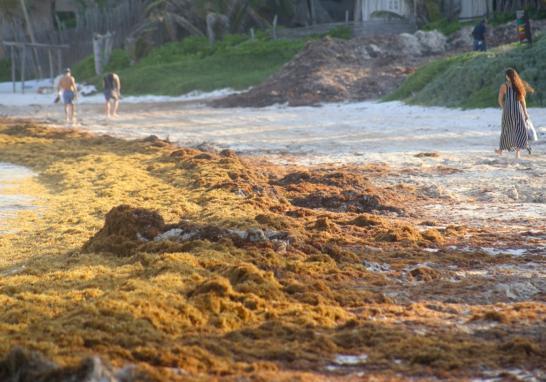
(498, 151)
(517, 154)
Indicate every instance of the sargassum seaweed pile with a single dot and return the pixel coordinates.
(143, 261)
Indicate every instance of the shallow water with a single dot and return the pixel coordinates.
(10, 204)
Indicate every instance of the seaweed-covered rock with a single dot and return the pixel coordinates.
(127, 230)
(21, 365)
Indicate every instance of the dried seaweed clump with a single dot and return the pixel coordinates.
(336, 191)
(124, 230)
(128, 230)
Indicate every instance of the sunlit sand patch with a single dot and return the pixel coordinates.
(12, 201)
(518, 375)
(345, 362)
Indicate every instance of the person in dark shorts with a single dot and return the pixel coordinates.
(112, 93)
(478, 34)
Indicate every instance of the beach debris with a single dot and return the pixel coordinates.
(513, 193)
(423, 273)
(427, 155)
(376, 267)
(350, 360)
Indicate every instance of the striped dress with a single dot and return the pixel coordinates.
(514, 129)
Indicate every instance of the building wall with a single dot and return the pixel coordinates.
(400, 7)
(475, 8)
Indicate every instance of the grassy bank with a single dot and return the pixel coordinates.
(191, 64)
(472, 80)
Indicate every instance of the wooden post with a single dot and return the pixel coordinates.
(23, 69)
(357, 16)
(32, 39)
(98, 48)
(108, 46)
(275, 20)
(313, 12)
(13, 79)
(50, 57)
(346, 16)
(210, 29)
(252, 34)
(59, 61)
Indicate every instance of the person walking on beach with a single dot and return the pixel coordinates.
(69, 91)
(514, 113)
(479, 37)
(112, 93)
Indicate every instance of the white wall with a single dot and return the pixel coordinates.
(400, 7)
(475, 8)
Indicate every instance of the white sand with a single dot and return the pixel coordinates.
(11, 203)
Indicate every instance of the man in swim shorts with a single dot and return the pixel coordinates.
(112, 93)
(67, 88)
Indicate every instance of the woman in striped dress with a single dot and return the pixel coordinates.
(514, 114)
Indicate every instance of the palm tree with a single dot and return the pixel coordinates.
(191, 15)
(10, 9)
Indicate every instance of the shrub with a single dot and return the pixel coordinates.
(472, 80)
(5, 70)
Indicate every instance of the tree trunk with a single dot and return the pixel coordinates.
(313, 9)
(32, 39)
(357, 11)
(97, 53)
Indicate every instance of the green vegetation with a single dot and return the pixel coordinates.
(85, 69)
(343, 32)
(500, 18)
(472, 80)
(5, 70)
(192, 64)
(447, 27)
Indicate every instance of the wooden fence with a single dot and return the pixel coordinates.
(119, 19)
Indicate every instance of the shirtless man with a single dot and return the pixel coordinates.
(67, 85)
(112, 92)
